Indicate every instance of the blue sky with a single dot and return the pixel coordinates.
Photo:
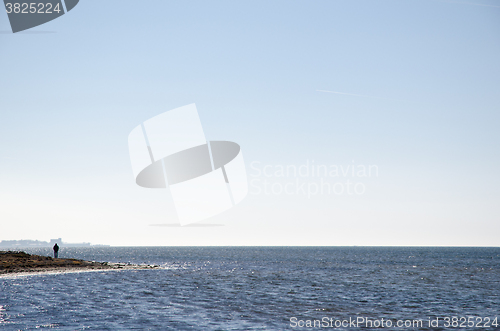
(425, 110)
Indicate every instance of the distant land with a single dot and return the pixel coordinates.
(38, 243)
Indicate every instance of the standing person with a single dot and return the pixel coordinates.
(56, 250)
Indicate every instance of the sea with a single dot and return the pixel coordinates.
(262, 288)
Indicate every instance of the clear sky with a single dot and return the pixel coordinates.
(409, 87)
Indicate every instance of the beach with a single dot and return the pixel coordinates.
(18, 262)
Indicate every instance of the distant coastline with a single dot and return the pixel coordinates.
(27, 243)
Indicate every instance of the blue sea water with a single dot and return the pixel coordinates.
(260, 288)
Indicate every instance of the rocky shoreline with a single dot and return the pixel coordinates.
(17, 262)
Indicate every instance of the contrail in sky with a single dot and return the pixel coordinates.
(177, 225)
(354, 95)
(469, 3)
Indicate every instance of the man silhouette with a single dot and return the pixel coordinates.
(56, 250)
